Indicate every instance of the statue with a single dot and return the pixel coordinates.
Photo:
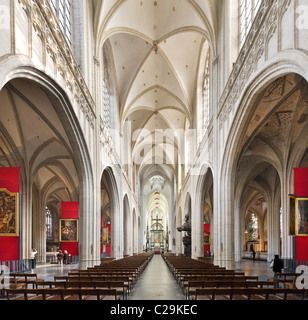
(187, 238)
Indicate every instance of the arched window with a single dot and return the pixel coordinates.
(206, 94)
(63, 11)
(49, 225)
(248, 11)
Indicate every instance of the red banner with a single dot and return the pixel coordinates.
(9, 179)
(301, 182)
(70, 210)
(207, 248)
(9, 246)
(301, 190)
(302, 248)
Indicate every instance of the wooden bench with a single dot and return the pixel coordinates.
(287, 279)
(181, 275)
(249, 294)
(194, 285)
(63, 294)
(117, 285)
(10, 283)
(186, 279)
(27, 278)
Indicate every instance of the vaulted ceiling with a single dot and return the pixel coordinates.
(33, 137)
(156, 49)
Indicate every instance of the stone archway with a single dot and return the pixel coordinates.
(40, 134)
(108, 183)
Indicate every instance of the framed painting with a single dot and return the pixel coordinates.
(9, 214)
(105, 236)
(302, 217)
(69, 230)
(292, 213)
(207, 239)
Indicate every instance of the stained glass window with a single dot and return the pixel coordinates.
(49, 224)
(253, 229)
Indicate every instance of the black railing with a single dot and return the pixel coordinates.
(17, 266)
(291, 265)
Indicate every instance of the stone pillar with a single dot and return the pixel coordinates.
(197, 238)
(287, 243)
(273, 227)
(224, 224)
(26, 221)
(238, 232)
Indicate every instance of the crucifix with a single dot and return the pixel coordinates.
(157, 221)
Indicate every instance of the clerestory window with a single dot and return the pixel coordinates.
(63, 12)
(248, 11)
(206, 94)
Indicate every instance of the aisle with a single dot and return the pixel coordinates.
(156, 283)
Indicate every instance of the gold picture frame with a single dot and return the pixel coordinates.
(292, 214)
(105, 236)
(207, 239)
(301, 217)
(68, 230)
(9, 214)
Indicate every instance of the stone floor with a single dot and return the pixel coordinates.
(156, 283)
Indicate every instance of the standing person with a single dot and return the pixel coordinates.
(60, 258)
(253, 255)
(33, 259)
(278, 264)
(65, 257)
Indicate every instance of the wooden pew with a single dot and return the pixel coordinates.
(287, 279)
(186, 279)
(27, 278)
(117, 285)
(63, 294)
(194, 285)
(249, 294)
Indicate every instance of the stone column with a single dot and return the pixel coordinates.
(26, 220)
(238, 232)
(197, 223)
(273, 229)
(224, 224)
(287, 244)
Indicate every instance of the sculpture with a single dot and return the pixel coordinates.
(187, 238)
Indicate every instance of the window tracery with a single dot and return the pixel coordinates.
(248, 11)
(49, 225)
(63, 12)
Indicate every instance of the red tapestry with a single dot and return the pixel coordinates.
(108, 248)
(9, 246)
(301, 190)
(9, 179)
(302, 248)
(70, 210)
(207, 247)
(301, 182)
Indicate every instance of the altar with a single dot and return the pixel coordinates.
(157, 239)
(52, 257)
